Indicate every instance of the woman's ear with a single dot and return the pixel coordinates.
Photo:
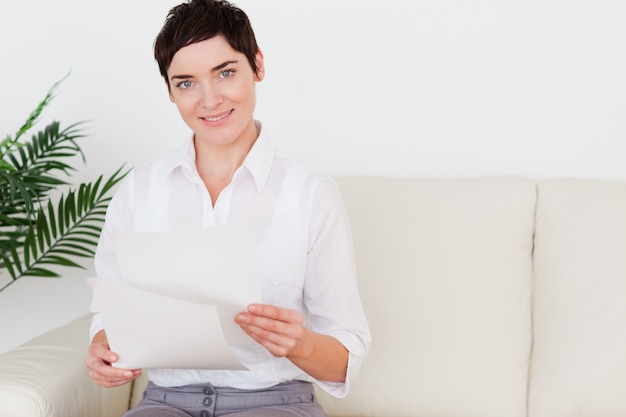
(260, 66)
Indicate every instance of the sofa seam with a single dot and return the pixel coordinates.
(532, 301)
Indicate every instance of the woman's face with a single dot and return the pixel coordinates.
(213, 87)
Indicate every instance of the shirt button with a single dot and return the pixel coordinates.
(205, 414)
(207, 401)
(208, 391)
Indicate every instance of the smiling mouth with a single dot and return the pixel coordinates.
(218, 118)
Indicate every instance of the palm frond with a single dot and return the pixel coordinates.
(46, 147)
(60, 235)
(36, 234)
(33, 169)
(10, 144)
(34, 116)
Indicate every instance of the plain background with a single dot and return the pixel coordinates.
(353, 87)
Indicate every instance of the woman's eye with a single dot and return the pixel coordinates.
(227, 73)
(185, 84)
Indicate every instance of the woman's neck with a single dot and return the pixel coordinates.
(216, 164)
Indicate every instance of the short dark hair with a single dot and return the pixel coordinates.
(199, 20)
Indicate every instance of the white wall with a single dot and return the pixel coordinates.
(412, 87)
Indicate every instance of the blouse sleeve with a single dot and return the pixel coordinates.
(118, 217)
(331, 292)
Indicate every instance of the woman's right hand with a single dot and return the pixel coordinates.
(99, 363)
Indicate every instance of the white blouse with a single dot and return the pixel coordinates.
(305, 254)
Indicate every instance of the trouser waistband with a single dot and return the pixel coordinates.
(226, 398)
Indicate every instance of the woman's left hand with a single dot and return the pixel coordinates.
(284, 335)
(281, 331)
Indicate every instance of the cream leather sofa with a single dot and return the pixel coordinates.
(489, 297)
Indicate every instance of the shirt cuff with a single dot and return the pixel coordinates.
(96, 325)
(356, 356)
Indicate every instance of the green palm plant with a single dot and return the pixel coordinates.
(37, 233)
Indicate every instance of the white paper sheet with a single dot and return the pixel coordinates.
(215, 265)
(183, 290)
(150, 330)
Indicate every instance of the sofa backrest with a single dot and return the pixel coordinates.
(488, 297)
(445, 272)
(578, 363)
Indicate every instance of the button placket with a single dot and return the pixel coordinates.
(209, 402)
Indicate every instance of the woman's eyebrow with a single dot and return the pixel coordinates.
(180, 77)
(214, 69)
(222, 65)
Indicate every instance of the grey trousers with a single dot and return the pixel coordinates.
(289, 399)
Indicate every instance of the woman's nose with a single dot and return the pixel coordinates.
(211, 97)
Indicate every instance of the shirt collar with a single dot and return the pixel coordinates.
(258, 162)
(260, 158)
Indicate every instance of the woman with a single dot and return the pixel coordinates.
(311, 326)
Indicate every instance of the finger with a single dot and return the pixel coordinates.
(99, 350)
(276, 313)
(111, 383)
(263, 324)
(102, 371)
(284, 337)
(278, 345)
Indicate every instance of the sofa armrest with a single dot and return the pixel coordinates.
(46, 377)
